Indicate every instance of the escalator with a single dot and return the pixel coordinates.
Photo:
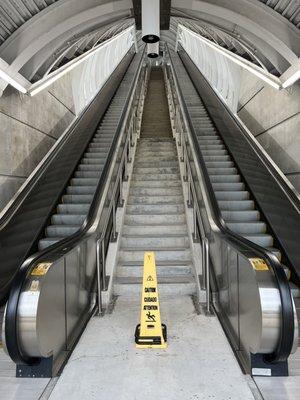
(238, 208)
(55, 212)
(248, 211)
(76, 201)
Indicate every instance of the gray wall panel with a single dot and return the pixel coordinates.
(29, 127)
(274, 118)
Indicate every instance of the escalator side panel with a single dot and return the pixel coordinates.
(277, 208)
(18, 238)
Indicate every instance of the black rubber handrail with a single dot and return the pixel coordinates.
(56, 250)
(286, 340)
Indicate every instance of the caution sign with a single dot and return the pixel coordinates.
(150, 333)
(259, 264)
(41, 269)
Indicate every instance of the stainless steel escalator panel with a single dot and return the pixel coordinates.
(260, 310)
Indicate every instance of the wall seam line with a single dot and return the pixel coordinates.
(251, 98)
(14, 176)
(292, 173)
(279, 123)
(26, 124)
(56, 98)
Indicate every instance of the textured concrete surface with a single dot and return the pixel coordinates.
(274, 118)
(198, 363)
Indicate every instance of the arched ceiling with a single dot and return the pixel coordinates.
(38, 36)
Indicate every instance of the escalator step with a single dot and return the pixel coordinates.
(60, 231)
(216, 158)
(239, 195)
(95, 153)
(68, 219)
(213, 141)
(219, 164)
(247, 227)
(81, 189)
(75, 209)
(262, 240)
(237, 205)
(225, 178)
(91, 167)
(239, 216)
(77, 198)
(222, 171)
(84, 182)
(214, 152)
(88, 174)
(228, 186)
(44, 243)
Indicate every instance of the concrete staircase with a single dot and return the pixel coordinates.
(155, 217)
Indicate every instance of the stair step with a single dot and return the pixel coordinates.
(167, 230)
(169, 191)
(147, 242)
(166, 199)
(155, 170)
(155, 177)
(158, 219)
(156, 184)
(165, 254)
(162, 270)
(126, 288)
(155, 209)
(161, 164)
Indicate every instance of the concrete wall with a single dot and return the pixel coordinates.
(274, 119)
(29, 126)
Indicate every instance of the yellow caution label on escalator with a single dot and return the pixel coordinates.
(150, 333)
(259, 264)
(41, 269)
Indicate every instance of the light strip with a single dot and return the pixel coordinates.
(260, 73)
(12, 82)
(51, 78)
(292, 79)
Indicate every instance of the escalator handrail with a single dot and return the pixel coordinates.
(286, 340)
(59, 249)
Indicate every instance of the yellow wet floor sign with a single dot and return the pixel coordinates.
(150, 333)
